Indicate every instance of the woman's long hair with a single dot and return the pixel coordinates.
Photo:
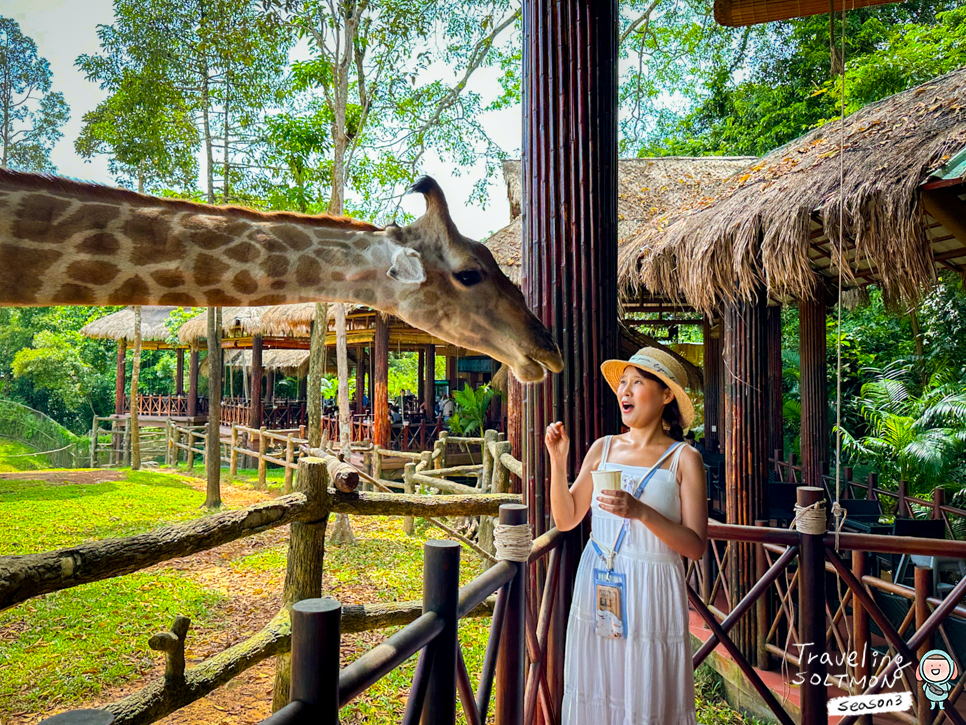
(673, 422)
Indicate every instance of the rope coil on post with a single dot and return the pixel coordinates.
(810, 519)
(513, 543)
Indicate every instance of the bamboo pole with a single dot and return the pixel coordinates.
(262, 464)
(135, 380)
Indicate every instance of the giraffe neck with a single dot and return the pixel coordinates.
(68, 243)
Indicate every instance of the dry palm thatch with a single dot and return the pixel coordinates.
(296, 320)
(243, 320)
(120, 325)
(293, 363)
(755, 228)
(645, 187)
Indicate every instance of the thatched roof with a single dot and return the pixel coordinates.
(294, 363)
(295, 320)
(120, 325)
(764, 225)
(246, 320)
(645, 187)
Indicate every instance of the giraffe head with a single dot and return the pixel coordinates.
(456, 289)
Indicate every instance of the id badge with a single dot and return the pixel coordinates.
(610, 618)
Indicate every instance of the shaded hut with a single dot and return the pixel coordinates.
(155, 335)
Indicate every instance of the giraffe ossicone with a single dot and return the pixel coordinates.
(65, 242)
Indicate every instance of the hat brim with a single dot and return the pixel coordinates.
(613, 369)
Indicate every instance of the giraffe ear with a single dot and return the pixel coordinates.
(407, 266)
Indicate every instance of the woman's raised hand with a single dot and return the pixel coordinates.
(558, 442)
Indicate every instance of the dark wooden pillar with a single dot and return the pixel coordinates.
(428, 374)
(193, 381)
(569, 256)
(813, 384)
(255, 409)
(774, 351)
(712, 381)
(303, 388)
(745, 445)
(380, 382)
(270, 384)
(179, 376)
(360, 378)
(421, 375)
(120, 387)
(452, 373)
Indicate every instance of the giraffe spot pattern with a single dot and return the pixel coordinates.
(131, 292)
(74, 294)
(307, 271)
(21, 280)
(242, 252)
(168, 277)
(244, 282)
(220, 298)
(209, 270)
(267, 242)
(365, 295)
(279, 284)
(180, 299)
(36, 218)
(275, 266)
(99, 243)
(292, 236)
(95, 272)
(269, 300)
(155, 242)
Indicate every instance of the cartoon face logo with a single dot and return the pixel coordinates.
(936, 673)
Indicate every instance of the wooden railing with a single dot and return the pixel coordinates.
(112, 446)
(795, 613)
(287, 443)
(165, 405)
(323, 486)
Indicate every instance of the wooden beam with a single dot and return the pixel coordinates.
(179, 377)
(944, 205)
(380, 383)
(429, 381)
(255, 409)
(120, 389)
(813, 386)
(193, 382)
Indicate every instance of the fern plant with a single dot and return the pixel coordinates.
(916, 431)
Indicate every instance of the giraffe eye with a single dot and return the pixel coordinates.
(468, 277)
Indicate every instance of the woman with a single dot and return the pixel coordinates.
(628, 658)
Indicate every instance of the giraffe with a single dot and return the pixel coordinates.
(65, 242)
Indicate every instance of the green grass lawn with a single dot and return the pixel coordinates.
(16, 456)
(69, 647)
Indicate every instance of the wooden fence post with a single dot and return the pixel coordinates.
(289, 460)
(409, 471)
(262, 463)
(924, 590)
(306, 549)
(489, 436)
(126, 444)
(763, 619)
(938, 501)
(512, 656)
(860, 627)
(441, 588)
(441, 461)
(167, 442)
(902, 506)
(811, 608)
(316, 640)
(501, 474)
(191, 449)
(872, 483)
(233, 453)
(94, 429)
(376, 462)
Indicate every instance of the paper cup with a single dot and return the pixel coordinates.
(606, 481)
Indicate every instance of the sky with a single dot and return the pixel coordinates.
(66, 29)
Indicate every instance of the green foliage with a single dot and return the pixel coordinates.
(31, 115)
(917, 432)
(54, 364)
(34, 429)
(471, 409)
(775, 84)
(16, 456)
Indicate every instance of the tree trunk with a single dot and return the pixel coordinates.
(213, 459)
(316, 370)
(135, 376)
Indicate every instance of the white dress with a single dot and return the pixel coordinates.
(646, 678)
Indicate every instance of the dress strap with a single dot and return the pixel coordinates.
(603, 453)
(673, 468)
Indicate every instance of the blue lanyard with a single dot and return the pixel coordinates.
(637, 494)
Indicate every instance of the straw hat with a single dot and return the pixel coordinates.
(659, 364)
